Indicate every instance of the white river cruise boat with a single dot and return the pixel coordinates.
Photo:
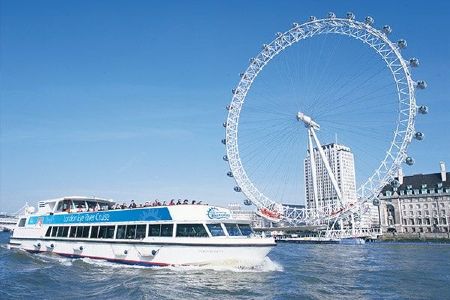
(190, 234)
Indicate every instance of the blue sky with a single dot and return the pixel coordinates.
(125, 100)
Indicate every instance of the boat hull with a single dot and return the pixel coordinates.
(152, 254)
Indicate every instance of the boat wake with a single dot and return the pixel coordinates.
(54, 259)
(107, 264)
(233, 266)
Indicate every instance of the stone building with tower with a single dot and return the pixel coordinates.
(417, 204)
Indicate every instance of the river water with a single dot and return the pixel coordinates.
(292, 271)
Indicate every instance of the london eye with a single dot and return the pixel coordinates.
(326, 81)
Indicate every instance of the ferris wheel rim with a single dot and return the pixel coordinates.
(375, 39)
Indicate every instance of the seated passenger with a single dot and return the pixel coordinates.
(186, 201)
(179, 202)
(172, 202)
(193, 202)
(199, 202)
(164, 203)
(124, 206)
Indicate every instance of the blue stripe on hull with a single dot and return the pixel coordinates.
(113, 260)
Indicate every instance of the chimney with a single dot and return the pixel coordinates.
(443, 173)
(400, 176)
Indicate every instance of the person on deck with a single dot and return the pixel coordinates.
(132, 204)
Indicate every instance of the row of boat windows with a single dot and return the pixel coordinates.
(151, 230)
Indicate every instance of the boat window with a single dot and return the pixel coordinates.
(233, 230)
(64, 205)
(73, 231)
(191, 230)
(131, 232)
(49, 230)
(110, 232)
(82, 231)
(79, 231)
(54, 229)
(79, 205)
(94, 232)
(60, 206)
(245, 229)
(106, 232)
(154, 230)
(216, 229)
(140, 231)
(120, 232)
(64, 231)
(22, 222)
(85, 231)
(167, 230)
(91, 205)
(60, 231)
(102, 232)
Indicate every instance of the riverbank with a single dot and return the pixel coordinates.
(416, 237)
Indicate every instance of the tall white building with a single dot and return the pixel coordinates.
(342, 165)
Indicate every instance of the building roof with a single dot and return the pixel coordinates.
(416, 181)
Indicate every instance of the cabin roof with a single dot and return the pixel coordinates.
(78, 198)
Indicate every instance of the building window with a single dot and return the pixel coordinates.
(418, 206)
(444, 221)
(425, 205)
